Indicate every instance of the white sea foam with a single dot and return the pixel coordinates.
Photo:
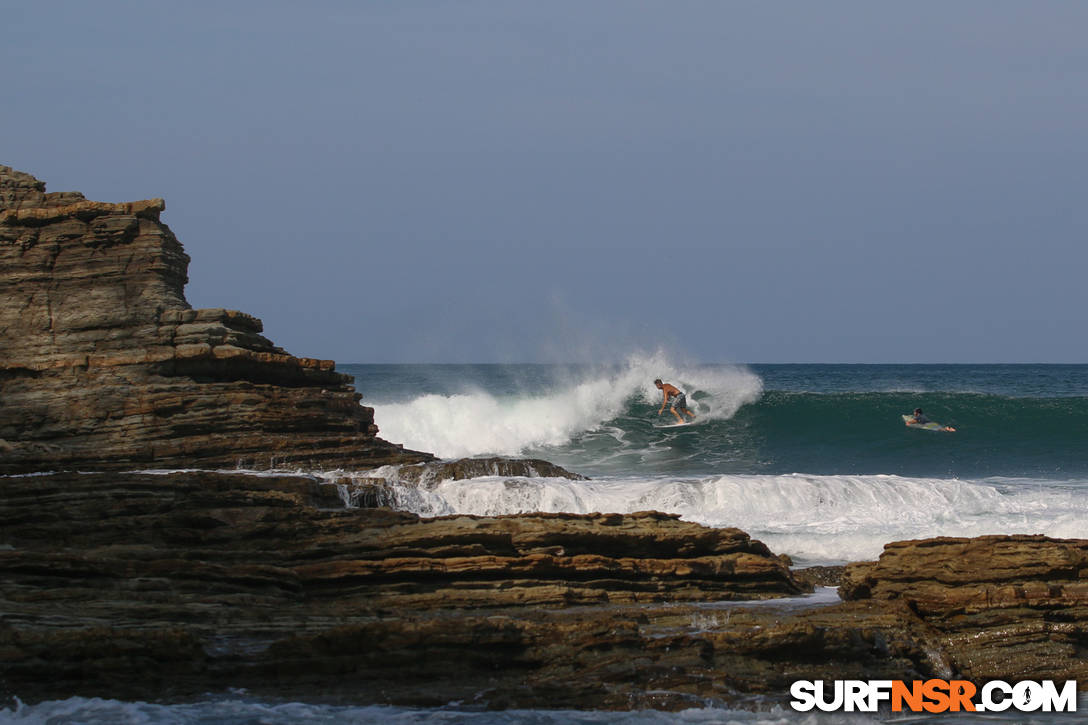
(480, 422)
(247, 710)
(816, 519)
(238, 710)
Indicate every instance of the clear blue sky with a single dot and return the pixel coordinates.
(514, 181)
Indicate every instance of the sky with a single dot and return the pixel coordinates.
(562, 181)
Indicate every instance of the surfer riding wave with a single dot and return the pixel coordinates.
(679, 401)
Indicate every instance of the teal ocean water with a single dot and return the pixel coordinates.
(1011, 420)
(812, 459)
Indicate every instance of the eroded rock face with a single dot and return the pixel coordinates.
(156, 586)
(164, 587)
(1005, 607)
(104, 364)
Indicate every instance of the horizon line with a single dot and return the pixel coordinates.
(620, 362)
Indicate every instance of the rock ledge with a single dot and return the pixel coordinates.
(106, 366)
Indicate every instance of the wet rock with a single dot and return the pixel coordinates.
(821, 576)
(140, 585)
(1005, 607)
(429, 474)
(398, 486)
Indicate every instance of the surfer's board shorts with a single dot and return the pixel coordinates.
(679, 402)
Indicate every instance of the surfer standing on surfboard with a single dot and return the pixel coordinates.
(679, 402)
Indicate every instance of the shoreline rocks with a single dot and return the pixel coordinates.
(106, 366)
(398, 486)
(1004, 607)
(167, 586)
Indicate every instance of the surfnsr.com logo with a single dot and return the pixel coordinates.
(933, 696)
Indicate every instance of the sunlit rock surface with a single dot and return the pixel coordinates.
(104, 365)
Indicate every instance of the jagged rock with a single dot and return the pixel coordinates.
(140, 585)
(824, 576)
(398, 486)
(379, 487)
(1006, 607)
(105, 365)
(428, 474)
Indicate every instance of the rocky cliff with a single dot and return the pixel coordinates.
(104, 365)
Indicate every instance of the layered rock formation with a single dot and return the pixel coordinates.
(141, 586)
(1001, 607)
(137, 585)
(104, 365)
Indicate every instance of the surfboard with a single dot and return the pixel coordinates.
(670, 425)
(931, 425)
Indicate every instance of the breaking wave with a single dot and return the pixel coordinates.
(815, 519)
(481, 421)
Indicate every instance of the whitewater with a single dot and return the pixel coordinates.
(811, 459)
(814, 519)
(238, 709)
(511, 415)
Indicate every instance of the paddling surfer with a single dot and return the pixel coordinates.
(919, 418)
(674, 398)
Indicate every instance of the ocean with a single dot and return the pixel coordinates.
(814, 460)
